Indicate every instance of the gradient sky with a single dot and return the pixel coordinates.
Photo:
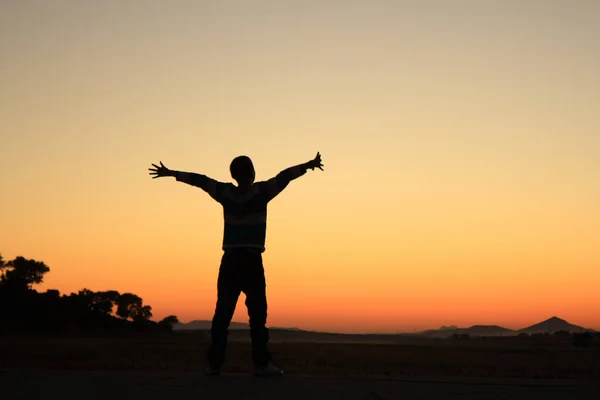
(461, 143)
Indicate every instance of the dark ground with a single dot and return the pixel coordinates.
(154, 367)
(496, 358)
(88, 385)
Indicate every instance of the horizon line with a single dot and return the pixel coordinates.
(451, 327)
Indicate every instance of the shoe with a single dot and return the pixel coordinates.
(212, 371)
(268, 370)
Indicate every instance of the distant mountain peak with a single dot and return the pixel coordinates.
(551, 325)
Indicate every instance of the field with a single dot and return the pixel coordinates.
(322, 355)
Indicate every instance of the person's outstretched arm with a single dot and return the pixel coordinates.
(275, 185)
(209, 185)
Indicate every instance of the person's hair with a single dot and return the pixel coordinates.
(241, 169)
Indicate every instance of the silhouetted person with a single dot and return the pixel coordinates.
(241, 270)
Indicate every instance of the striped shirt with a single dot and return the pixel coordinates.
(245, 213)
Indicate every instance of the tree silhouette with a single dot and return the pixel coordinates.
(171, 320)
(129, 306)
(168, 323)
(24, 310)
(22, 271)
(125, 303)
(104, 302)
(53, 294)
(1, 268)
(143, 313)
(86, 294)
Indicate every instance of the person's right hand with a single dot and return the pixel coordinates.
(161, 171)
(316, 163)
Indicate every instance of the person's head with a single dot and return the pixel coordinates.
(242, 170)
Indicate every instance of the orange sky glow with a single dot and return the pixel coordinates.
(461, 144)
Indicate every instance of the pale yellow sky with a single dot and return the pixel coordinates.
(461, 143)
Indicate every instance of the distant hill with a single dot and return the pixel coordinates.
(475, 330)
(201, 325)
(553, 325)
(204, 325)
(489, 330)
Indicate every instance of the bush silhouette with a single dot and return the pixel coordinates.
(584, 339)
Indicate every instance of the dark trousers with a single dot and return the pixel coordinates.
(241, 270)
